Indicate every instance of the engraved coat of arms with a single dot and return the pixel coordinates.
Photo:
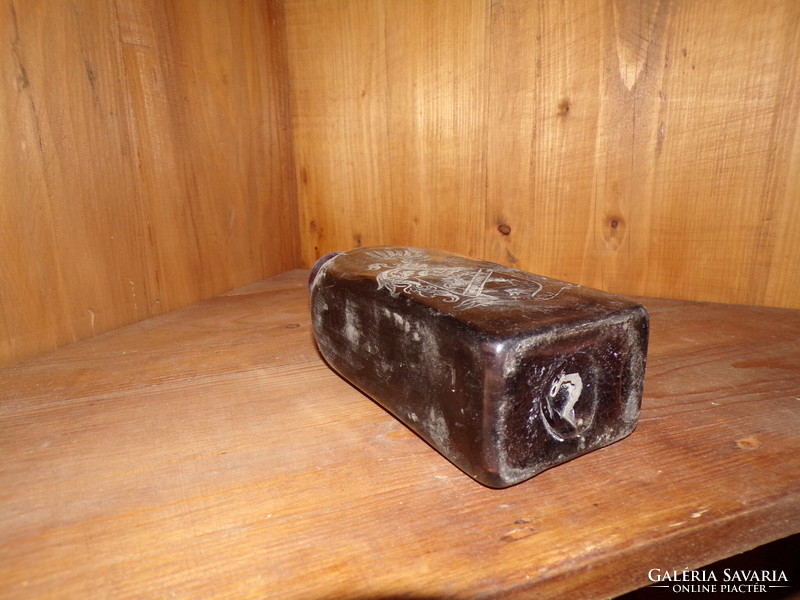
(411, 271)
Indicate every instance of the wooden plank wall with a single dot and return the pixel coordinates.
(145, 161)
(151, 153)
(647, 147)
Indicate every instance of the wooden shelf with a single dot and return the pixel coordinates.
(210, 452)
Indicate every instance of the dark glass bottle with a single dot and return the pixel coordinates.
(505, 373)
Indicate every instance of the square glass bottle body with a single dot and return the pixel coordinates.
(505, 373)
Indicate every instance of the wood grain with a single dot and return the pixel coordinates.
(155, 153)
(365, 116)
(145, 161)
(209, 452)
(647, 147)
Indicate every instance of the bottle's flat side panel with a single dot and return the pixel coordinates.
(420, 366)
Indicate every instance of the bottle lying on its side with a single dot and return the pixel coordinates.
(505, 373)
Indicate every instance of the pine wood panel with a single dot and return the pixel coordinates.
(649, 147)
(144, 158)
(155, 461)
(365, 115)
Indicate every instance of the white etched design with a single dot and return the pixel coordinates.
(411, 272)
